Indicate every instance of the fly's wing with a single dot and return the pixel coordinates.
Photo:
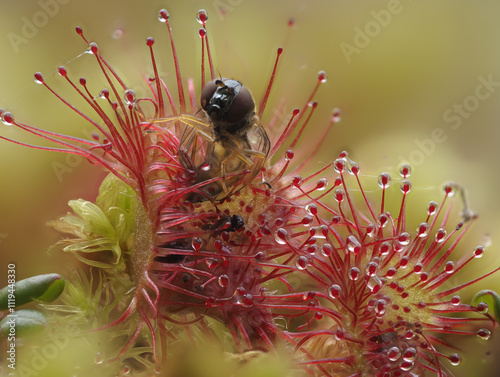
(195, 142)
(259, 148)
(245, 156)
(259, 141)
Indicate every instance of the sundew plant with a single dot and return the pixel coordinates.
(218, 244)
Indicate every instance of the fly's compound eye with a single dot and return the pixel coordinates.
(241, 106)
(226, 100)
(207, 94)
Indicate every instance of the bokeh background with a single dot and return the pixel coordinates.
(399, 70)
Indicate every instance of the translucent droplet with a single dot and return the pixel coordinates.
(339, 195)
(335, 291)
(129, 97)
(398, 247)
(326, 250)
(196, 243)
(409, 354)
(404, 238)
(440, 235)
(374, 284)
(126, 370)
(354, 273)
(422, 230)
(260, 256)
(307, 220)
(339, 165)
(92, 49)
(371, 268)
(322, 76)
(104, 94)
(163, 16)
(482, 308)
(455, 359)
(382, 220)
(353, 245)
(202, 16)
(8, 119)
(418, 268)
(455, 300)
(380, 307)
(223, 280)
(449, 189)
(38, 78)
(62, 71)
(405, 170)
(353, 168)
(247, 300)
(336, 116)
(322, 184)
(391, 272)
(205, 167)
(99, 358)
(478, 252)
(449, 267)
(384, 180)
(241, 291)
(370, 230)
(281, 236)
(309, 296)
(312, 233)
(405, 186)
(297, 181)
(406, 365)
(432, 208)
(312, 209)
(301, 263)
(312, 249)
(385, 247)
(322, 231)
(484, 334)
(211, 262)
(393, 353)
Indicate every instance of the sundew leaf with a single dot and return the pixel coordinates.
(491, 298)
(44, 288)
(23, 322)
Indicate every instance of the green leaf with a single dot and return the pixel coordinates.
(44, 288)
(23, 322)
(491, 298)
(100, 228)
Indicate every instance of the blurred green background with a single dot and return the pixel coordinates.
(399, 71)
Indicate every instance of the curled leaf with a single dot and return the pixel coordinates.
(491, 298)
(101, 232)
(23, 322)
(44, 288)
